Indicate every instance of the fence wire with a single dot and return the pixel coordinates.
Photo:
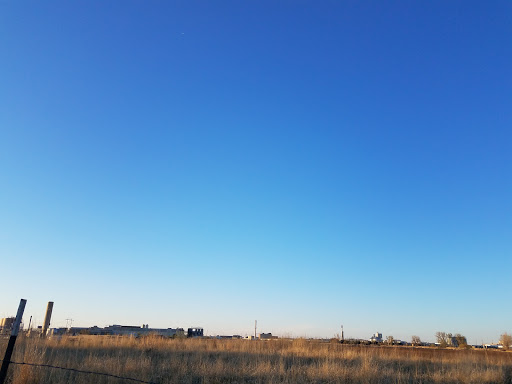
(83, 371)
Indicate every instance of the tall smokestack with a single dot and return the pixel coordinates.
(47, 318)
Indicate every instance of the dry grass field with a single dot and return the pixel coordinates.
(241, 361)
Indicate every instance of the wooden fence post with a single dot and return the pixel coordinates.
(12, 341)
(47, 318)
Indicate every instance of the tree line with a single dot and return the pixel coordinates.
(445, 339)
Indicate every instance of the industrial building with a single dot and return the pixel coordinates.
(376, 338)
(195, 332)
(119, 330)
(266, 336)
(6, 325)
(122, 330)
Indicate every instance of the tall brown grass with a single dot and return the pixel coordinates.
(241, 361)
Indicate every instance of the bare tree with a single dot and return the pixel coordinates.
(390, 340)
(506, 341)
(415, 340)
(442, 339)
(461, 341)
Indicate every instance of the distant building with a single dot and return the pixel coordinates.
(376, 338)
(228, 337)
(266, 336)
(131, 330)
(6, 325)
(119, 330)
(195, 332)
(56, 332)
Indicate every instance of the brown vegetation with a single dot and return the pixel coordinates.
(506, 341)
(241, 361)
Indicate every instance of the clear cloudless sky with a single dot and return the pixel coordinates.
(303, 163)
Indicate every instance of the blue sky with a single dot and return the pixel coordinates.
(307, 164)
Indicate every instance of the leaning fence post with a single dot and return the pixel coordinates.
(12, 341)
(47, 318)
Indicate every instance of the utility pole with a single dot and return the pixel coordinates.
(255, 327)
(342, 336)
(12, 341)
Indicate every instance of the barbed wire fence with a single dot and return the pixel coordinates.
(82, 371)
